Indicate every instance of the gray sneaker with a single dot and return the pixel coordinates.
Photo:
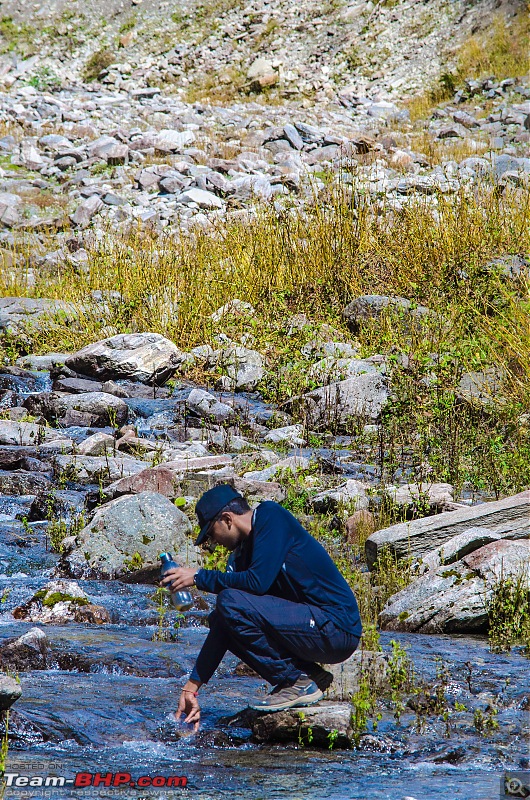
(302, 693)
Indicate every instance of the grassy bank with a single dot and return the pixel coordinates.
(314, 261)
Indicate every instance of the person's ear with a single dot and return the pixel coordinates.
(227, 518)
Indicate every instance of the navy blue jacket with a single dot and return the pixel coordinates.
(280, 558)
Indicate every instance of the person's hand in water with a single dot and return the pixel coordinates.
(189, 705)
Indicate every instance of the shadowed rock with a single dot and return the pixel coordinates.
(99, 409)
(372, 307)
(10, 691)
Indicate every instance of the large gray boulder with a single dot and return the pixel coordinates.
(128, 534)
(454, 598)
(509, 517)
(372, 307)
(96, 408)
(333, 407)
(145, 357)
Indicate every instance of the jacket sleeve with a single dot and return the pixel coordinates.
(270, 546)
(211, 655)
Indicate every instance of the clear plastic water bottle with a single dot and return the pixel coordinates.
(180, 600)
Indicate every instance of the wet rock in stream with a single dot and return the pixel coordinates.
(59, 602)
(10, 692)
(316, 724)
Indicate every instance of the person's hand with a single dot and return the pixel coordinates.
(178, 578)
(189, 705)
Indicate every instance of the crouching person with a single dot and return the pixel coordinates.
(282, 606)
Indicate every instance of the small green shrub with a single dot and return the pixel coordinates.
(97, 62)
(509, 613)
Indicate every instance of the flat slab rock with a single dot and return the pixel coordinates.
(90, 469)
(417, 538)
(317, 725)
(26, 434)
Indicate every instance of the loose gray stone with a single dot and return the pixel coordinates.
(234, 308)
(86, 210)
(372, 307)
(351, 493)
(91, 469)
(333, 407)
(10, 691)
(292, 463)
(24, 434)
(293, 137)
(22, 482)
(243, 368)
(292, 434)
(97, 445)
(332, 369)
(16, 313)
(100, 409)
(202, 197)
(41, 363)
(207, 406)
(435, 495)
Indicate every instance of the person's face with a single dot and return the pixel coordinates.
(224, 532)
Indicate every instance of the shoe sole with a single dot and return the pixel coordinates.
(302, 701)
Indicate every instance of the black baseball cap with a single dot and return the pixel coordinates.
(210, 504)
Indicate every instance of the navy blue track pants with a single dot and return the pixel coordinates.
(279, 639)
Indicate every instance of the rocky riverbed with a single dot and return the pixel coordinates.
(85, 514)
